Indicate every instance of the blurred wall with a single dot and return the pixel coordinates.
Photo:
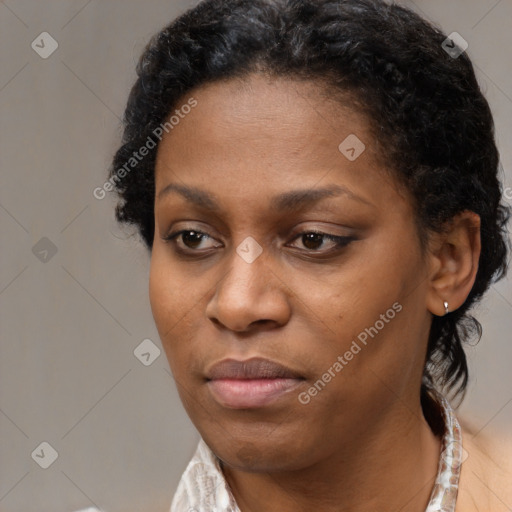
(73, 285)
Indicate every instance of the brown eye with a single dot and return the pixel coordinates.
(190, 239)
(315, 240)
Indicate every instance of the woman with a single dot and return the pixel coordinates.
(317, 184)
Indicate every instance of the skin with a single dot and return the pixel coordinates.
(362, 443)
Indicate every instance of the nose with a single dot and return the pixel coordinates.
(249, 296)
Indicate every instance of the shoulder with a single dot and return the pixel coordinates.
(486, 471)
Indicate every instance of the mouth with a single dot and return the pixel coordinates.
(252, 383)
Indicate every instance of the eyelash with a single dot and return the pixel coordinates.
(340, 241)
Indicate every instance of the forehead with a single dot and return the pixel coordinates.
(267, 134)
(257, 107)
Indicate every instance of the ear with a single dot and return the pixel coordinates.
(453, 262)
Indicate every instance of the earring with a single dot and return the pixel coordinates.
(445, 307)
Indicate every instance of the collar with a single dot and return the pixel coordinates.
(444, 494)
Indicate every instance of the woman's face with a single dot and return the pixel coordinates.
(250, 175)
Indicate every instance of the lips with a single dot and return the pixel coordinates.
(252, 383)
(255, 368)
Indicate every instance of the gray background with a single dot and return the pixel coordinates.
(70, 324)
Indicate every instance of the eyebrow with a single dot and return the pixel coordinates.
(287, 201)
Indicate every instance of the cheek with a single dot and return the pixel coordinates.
(350, 299)
(161, 295)
(168, 299)
(175, 304)
(368, 314)
(171, 294)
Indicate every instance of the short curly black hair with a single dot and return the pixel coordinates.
(432, 123)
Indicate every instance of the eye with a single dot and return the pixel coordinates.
(314, 240)
(190, 239)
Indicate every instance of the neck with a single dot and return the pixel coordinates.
(393, 463)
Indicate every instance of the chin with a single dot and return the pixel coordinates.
(257, 454)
